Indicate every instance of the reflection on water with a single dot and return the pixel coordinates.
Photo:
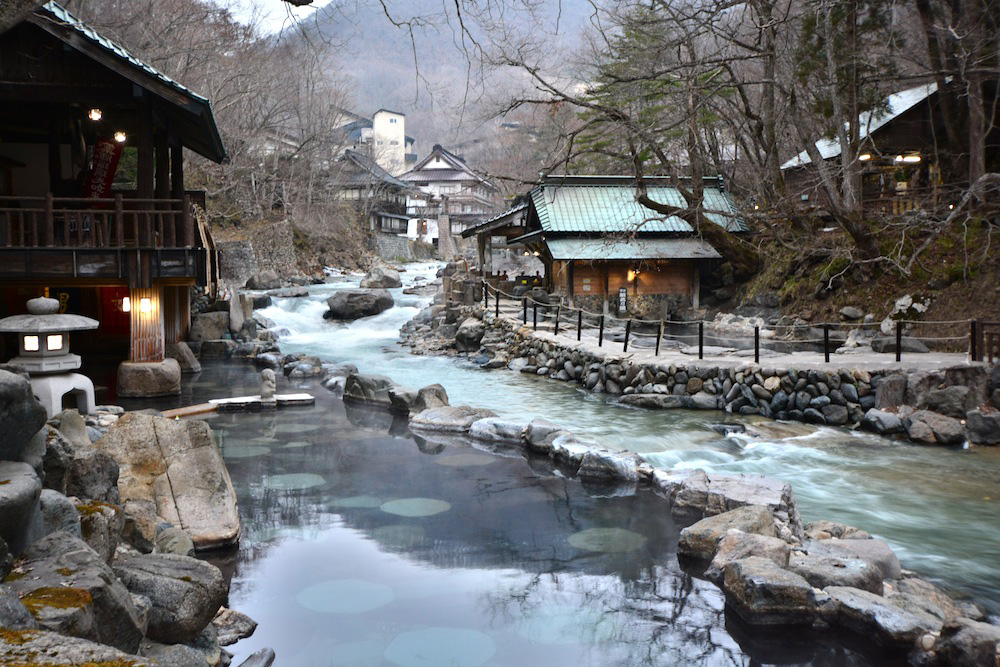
(937, 507)
(361, 548)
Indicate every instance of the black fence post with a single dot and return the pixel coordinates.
(600, 335)
(498, 301)
(486, 295)
(628, 330)
(701, 340)
(558, 315)
(579, 324)
(524, 310)
(826, 342)
(659, 337)
(756, 345)
(973, 342)
(899, 340)
(534, 315)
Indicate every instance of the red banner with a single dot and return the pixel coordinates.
(102, 173)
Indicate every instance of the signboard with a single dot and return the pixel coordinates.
(622, 299)
(102, 174)
(586, 284)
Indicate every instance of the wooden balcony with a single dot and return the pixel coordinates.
(122, 239)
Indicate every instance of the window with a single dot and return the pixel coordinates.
(392, 120)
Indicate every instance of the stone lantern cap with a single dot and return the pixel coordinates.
(44, 317)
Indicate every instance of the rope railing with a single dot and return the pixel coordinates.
(570, 321)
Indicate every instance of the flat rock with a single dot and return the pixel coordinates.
(539, 434)
(69, 589)
(874, 616)
(569, 452)
(701, 540)
(21, 415)
(762, 593)
(185, 592)
(452, 418)
(233, 626)
(602, 464)
(177, 465)
(907, 345)
(875, 552)
(23, 647)
(736, 544)
(824, 530)
(495, 429)
(262, 658)
(825, 569)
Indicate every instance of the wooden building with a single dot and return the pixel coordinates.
(605, 252)
(93, 207)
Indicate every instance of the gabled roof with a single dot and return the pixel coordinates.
(363, 170)
(192, 107)
(513, 215)
(870, 122)
(607, 205)
(460, 171)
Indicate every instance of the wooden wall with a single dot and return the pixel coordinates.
(660, 277)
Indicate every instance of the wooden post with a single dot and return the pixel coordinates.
(628, 330)
(119, 221)
(188, 217)
(50, 229)
(701, 340)
(756, 345)
(534, 315)
(899, 341)
(497, 295)
(826, 343)
(524, 310)
(659, 337)
(973, 340)
(176, 168)
(579, 324)
(558, 315)
(600, 335)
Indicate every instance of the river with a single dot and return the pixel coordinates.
(937, 507)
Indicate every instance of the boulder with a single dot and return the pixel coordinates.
(173, 540)
(851, 314)
(6, 561)
(469, 334)
(150, 378)
(182, 354)
(233, 626)
(223, 348)
(701, 540)
(237, 262)
(569, 452)
(20, 515)
(966, 642)
(762, 593)
(59, 513)
(13, 614)
(825, 569)
(381, 277)
(212, 325)
(177, 466)
(914, 593)
(69, 589)
(351, 304)
(891, 392)
(185, 592)
(951, 401)
(73, 466)
(172, 655)
(262, 658)
(736, 545)
(539, 434)
(21, 415)
(369, 389)
(605, 465)
(266, 279)
(431, 396)
(907, 345)
(495, 429)
(874, 616)
(875, 552)
(240, 311)
(930, 428)
(101, 527)
(23, 647)
(453, 418)
(983, 427)
(656, 401)
(882, 422)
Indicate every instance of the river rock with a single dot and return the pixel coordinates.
(875, 552)
(835, 415)
(983, 427)
(656, 401)
(469, 334)
(21, 415)
(59, 513)
(966, 642)
(824, 530)
(212, 325)
(601, 464)
(262, 658)
(156, 378)
(874, 616)
(13, 614)
(73, 466)
(266, 279)
(181, 352)
(736, 544)
(539, 434)
(930, 428)
(368, 389)
(101, 526)
(382, 277)
(185, 592)
(701, 540)
(233, 626)
(176, 465)
(69, 589)
(6, 561)
(172, 655)
(453, 418)
(882, 422)
(173, 540)
(495, 429)
(568, 451)
(907, 345)
(351, 304)
(762, 593)
(24, 647)
(822, 570)
(20, 515)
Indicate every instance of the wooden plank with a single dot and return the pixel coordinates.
(191, 411)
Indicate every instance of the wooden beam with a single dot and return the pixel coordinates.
(176, 168)
(84, 95)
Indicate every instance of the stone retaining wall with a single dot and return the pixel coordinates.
(391, 247)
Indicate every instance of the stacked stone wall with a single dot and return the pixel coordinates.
(391, 247)
(274, 249)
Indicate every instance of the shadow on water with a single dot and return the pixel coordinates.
(366, 546)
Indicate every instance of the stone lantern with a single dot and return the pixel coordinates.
(43, 350)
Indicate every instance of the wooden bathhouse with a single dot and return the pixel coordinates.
(93, 208)
(604, 251)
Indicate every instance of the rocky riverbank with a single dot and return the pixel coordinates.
(950, 406)
(100, 519)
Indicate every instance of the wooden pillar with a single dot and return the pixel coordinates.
(488, 256)
(146, 340)
(604, 287)
(144, 150)
(696, 285)
(569, 281)
(176, 168)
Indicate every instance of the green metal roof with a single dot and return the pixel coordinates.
(635, 248)
(610, 209)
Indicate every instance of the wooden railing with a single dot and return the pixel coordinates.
(73, 222)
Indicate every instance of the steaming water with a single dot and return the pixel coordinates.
(939, 508)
